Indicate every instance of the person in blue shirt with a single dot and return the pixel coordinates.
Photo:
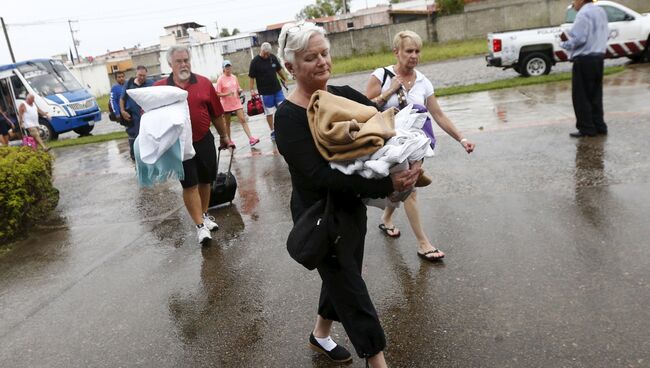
(116, 94)
(132, 112)
(587, 44)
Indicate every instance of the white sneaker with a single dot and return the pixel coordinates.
(203, 234)
(208, 221)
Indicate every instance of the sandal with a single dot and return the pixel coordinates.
(436, 255)
(385, 229)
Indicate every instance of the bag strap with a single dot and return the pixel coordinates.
(387, 73)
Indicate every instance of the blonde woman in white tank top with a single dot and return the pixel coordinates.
(28, 113)
(414, 88)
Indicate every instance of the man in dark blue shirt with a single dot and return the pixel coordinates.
(116, 94)
(131, 111)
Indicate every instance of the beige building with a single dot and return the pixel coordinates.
(190, 33)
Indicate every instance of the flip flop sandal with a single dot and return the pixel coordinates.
(434, 258)
(385, 229)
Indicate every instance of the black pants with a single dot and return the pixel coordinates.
(587, 93)
(344, 296)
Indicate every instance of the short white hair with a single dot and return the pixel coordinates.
(294, 38)
(177, 48)
(266, 47)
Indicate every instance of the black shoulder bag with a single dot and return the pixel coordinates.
(313, 233)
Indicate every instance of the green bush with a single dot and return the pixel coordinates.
(26, 191)
(447, 7)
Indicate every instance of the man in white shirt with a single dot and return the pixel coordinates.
(587, 44)
(28, 113)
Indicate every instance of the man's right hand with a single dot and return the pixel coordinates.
(563, 37)
(125, 115)
(225, 143)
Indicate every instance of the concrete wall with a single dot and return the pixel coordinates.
(93, 76)
(487, 16)
(150, 59)
(375, 39)
(241, 59)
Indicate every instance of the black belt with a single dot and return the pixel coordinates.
(595, 55)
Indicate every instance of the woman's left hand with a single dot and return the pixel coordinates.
(417, 165)
(468, 145)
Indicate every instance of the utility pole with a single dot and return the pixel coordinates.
(74, 41)
(4, 28)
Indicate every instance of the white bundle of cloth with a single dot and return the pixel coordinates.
(166, 120)
(410, 144)
(165, 137)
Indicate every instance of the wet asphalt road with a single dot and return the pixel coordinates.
(548, 263)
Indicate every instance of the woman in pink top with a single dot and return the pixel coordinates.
(228, 90)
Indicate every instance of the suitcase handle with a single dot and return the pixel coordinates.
(232, 151)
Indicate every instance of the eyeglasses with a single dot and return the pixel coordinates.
(299, 26)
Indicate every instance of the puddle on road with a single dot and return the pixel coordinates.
(542, 104)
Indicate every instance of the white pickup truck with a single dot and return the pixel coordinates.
(533, 52)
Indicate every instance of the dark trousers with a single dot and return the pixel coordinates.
(132, 129)
(587, 93)
(344, 296)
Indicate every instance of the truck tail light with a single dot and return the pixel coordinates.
(496, 45)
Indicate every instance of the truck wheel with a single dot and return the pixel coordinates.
(84, 130)
(642, 56)
(637, 58)
(46, 131)
(535, 64)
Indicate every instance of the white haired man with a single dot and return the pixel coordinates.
(205, 108)
(263, 70)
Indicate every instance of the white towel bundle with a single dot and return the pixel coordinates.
(410, 144)
(165, 121)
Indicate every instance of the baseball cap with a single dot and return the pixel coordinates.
(226, 63)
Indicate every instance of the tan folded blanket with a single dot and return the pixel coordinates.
(346, 130)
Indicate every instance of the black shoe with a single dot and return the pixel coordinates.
(604, 132)
(339, 354)
(580, 134)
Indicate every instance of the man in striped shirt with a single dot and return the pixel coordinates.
(587, 43)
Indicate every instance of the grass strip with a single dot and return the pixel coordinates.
(89, 139)
(430, 52)
(514, 82)
(102, 101)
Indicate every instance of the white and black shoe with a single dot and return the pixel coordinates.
(208, 221)
(203, 234)
(339, 354)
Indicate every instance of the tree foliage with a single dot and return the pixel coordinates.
(226, 33)
(447, 7)
(324, 8)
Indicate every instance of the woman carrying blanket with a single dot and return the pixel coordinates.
(344, 296)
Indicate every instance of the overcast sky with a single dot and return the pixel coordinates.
(39, 28)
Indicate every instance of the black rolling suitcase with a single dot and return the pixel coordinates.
(225, 186)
